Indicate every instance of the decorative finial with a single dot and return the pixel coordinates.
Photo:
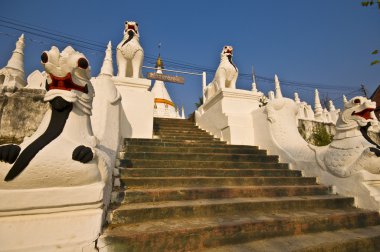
(344, 99)
(183, 113)
(331, 106)
(296, 98)
(254, 86)
(317, 104)
(107, 67)
(159, 63)
(271, 95)
(277, 87)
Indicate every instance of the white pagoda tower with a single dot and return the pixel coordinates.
(164, 107)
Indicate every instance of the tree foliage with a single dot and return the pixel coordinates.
(320, 136)
(199, 103)
(372, 3)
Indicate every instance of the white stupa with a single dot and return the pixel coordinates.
(163, 105)
(12, 75)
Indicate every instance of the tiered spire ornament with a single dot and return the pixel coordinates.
(16, 61)
(331, 106)
(13, 73)
(296, 98)
(277, 87)
(317, 104)
(107, 67)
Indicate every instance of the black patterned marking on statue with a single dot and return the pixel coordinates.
(60, 112)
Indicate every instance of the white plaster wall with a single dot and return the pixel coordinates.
(137, 107)
(226, 115)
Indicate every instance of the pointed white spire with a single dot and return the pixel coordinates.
(107, 67)
(183, 113)
(344, 99)
(254, 86)
(296, 98)
(317, 104)
(331, 106)
(277, 87)
(13, 74)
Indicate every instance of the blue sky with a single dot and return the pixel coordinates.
(327, 43)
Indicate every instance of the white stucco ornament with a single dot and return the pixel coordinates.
(351, 149)
(226, 74)
(129, 53)
(62, 152)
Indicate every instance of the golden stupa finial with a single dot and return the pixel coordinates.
(159, 63)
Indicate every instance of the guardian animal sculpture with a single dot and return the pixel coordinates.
(226, 74)
(352, 149)
(62, 152)
(129, 53)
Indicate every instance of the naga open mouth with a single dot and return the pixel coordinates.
(228, 51)
(366, 113)
(65, 83)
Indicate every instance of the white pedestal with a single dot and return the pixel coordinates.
(137, 107)
(227, 115)
(51, 219)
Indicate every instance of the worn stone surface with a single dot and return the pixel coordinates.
(182, 192)
(21, 111)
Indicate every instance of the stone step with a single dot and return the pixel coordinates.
(153, 163)
(171, 125)
(138, 212)
(248, 150)
(358, 239)
(171, 120)
(199, 136)
(181, 131)
(200, 156)
(194, 234)
(193, 193)
(215, 172)
(156, 182)
(163, 143)
(186, 137)
(208, 142)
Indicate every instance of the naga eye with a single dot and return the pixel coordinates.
(225, 47)
(137, 24)
(357, 101)
(83, 63)
(44, 57)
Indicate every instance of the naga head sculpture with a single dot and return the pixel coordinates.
(359, 111)
(68, 77)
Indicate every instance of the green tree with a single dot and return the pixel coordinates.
(369, 4)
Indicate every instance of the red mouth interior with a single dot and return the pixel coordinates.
(229, 51)
(65, 83)
(366, 113)
(131, 27)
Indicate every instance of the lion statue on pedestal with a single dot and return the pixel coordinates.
(226, 74)
(129, 53)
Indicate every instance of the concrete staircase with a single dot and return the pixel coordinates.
(187, 191)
